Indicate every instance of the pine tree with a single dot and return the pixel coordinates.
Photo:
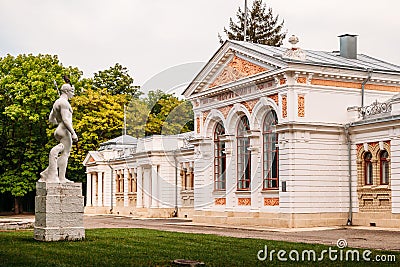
(262, 26)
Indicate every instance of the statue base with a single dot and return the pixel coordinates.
(59, 212)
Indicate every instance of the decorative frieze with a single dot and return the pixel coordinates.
(301, 80)
(244, 201)
(271, 201)
(338, 83)
(236, 69)
(237, 92)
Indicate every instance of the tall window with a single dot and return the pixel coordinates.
(368, 169)
(243, 154)
(187, 176)
(131, 181)
(384, 167)
(270, 152)
(219, 158)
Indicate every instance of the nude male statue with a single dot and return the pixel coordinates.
(61, 114)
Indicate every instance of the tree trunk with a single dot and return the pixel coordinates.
(17, 205)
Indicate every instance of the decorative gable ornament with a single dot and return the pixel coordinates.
(294, 52)
(236, 69)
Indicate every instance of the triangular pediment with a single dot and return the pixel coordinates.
(236, 69)
(92, 157)
(233, 62)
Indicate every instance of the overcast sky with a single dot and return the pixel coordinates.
(163, 42)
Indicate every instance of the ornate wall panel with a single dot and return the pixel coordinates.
(300, 106)
(220, 201)
(244, 201)
(236, 69)
(284, 106)
(271, 201)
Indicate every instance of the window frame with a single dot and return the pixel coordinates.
(219, 158)
(368, 169)
(382, 161)
(270, 138)
(243, 154)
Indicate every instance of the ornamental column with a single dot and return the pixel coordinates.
(256, 169)
(139, 193)
(126, 199)
(154, 186)
(94, 189)
(89, 189)
(100, 188)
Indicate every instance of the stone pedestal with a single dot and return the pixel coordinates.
(59, 212)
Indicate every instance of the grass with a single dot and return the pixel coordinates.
(143, 247)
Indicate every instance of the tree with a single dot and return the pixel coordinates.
(26, 96)
(159, 113)
(262, 26)
(169, 115)
(98, 117)
(117, 81)
(152, 100)
(137, 113)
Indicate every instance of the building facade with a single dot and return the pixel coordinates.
(287, 137)
(145, 177)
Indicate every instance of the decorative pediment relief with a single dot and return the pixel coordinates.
(236, 69)
(91, 159)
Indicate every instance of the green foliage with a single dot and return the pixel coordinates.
(159, 113)
(137, 112)
(117, 81)
(98, 117)
(152, 100)
(175, 116)
(26, 96)
(262, 26)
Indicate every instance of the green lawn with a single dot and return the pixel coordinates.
(142, 247)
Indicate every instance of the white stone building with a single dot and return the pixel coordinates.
(296, 138)
(147, 177)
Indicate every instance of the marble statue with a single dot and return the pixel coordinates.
(61, 114)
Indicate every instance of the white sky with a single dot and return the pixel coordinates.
(152, 37)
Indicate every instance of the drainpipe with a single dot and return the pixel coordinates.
(350, 215)
(175, 213)
(111, 178)
(363, 91)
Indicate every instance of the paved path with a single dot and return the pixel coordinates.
(357, 237)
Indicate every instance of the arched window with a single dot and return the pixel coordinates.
(243, 154)
(368, 177)
(384, 164)
(270, 152)
(219, 158)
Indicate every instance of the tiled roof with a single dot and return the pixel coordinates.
(121, 140)
(324, 58)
